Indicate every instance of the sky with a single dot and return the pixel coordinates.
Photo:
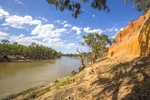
(27, 21)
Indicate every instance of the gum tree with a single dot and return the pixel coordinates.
(75, 6)
(97, 43)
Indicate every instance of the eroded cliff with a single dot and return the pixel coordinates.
(134, 39)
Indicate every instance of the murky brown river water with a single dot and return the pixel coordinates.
(20, 76)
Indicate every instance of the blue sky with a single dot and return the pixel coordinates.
(27, 21)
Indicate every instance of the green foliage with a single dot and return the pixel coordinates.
(33, 51)
(4, 48)
(97, 43)
(75, 6)
(5, 42)
(70, 55)
(140, 5)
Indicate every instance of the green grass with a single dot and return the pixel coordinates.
(63, 82)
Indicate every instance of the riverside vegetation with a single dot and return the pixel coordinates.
(19, 52)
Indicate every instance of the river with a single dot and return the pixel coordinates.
(16, 77)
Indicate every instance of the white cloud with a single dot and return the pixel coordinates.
(55, 43)
(19, 2)
(57, 21)
(47, 31)
(114, 36)
(64, 22)
(78, 37)
(89, 30)
(43, 19)
(3, 35)
(110, 29)
(19, 22)
(67, 25)
(70, 45)
(54, 40)
(44, 34)
(3, 13)
(77, 29)
(116, 29)
(121, 29)
(60, 30)
(61, 22)
(22, 39)
(93, 15)
(41, 29)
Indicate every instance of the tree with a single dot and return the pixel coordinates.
(82, 65)
(15, 48)
(140, 5)
(5, 48)
(75, 5)
(5, 42)
(97, 43)
(33, 51)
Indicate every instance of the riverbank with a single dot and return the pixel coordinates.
(108, 79)
(21, 59)
(40, 90)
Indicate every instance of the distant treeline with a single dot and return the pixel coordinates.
(70, 55)
(33, 51)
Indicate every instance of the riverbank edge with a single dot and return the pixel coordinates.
(40, 90)
(21, 59)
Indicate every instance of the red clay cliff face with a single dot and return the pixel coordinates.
(133, 39)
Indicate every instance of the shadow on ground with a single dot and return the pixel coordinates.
(138, 74)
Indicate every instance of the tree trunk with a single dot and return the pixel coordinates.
(82, 65)
(93, 56)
